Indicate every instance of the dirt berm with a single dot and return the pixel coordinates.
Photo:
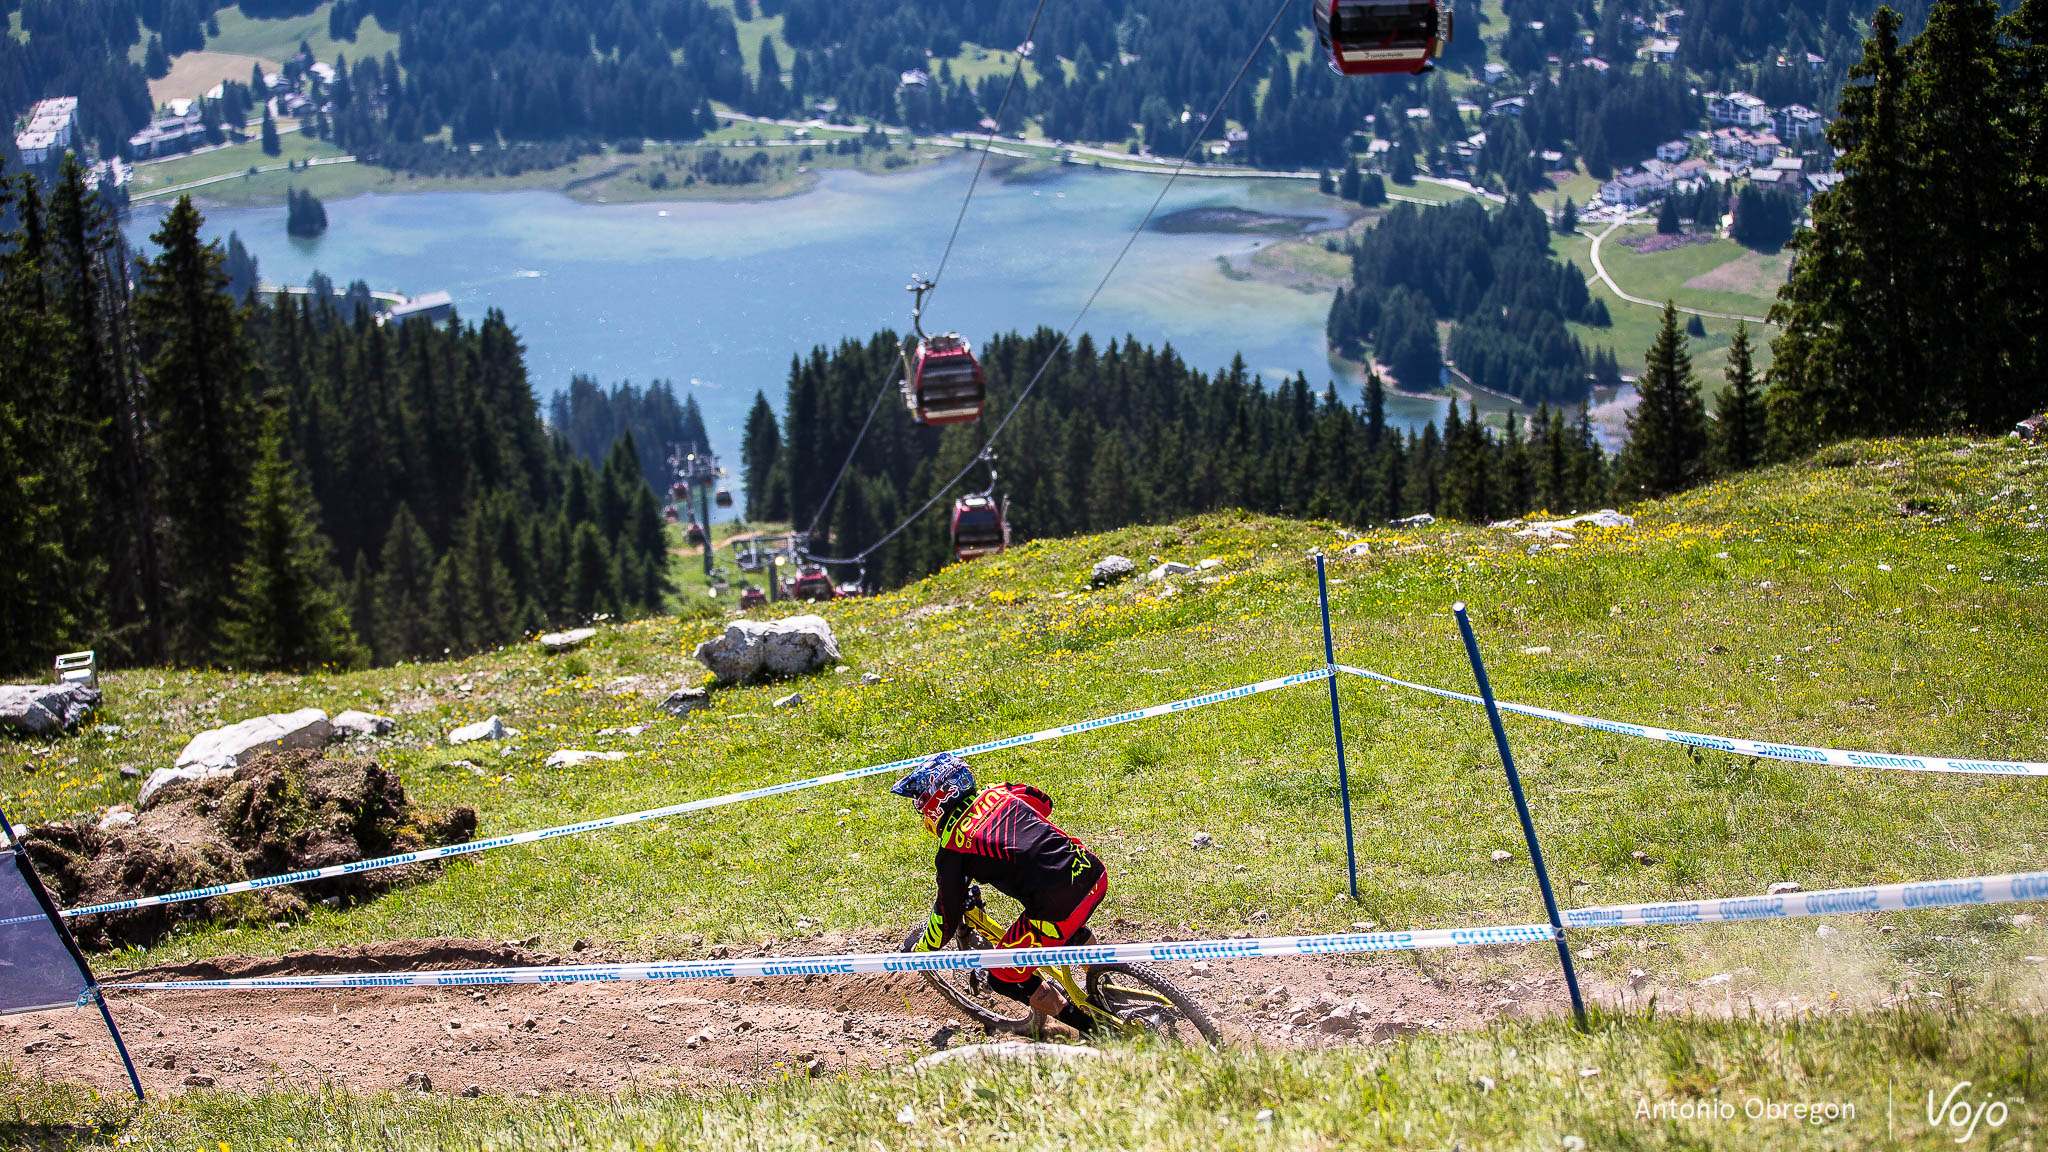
(282, 812)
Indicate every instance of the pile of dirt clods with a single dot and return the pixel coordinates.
(281, 812)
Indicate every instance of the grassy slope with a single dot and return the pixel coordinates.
(1634, 326)
(1821, 646)
(279, 39)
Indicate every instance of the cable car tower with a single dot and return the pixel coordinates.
(697, 475)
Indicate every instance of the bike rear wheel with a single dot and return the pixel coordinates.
(972, 990)
(1139, 996)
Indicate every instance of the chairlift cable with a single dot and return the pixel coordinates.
(1002, 108)
(1130, 240)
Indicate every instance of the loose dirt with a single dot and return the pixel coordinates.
(281, 812)
(701, 1034)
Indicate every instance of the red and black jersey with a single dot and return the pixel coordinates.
(1003, 837)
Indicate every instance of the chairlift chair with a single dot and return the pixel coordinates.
(751, 597)
(942, 382)
(694, 533)
(1381, 37)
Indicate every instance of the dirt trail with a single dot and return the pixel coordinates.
(606, 1037)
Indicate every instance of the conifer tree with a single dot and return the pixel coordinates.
(405, 577)
(1848, 360)
(272, 146)
(590, 573)
(199, 366)
(1667, 429)
(1739, 423)
(285, 613)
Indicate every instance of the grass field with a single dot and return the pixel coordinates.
(277, 40)
(1693, 274)
(752, 32)
(1794, 604)
(294, 147)
(1427, 189)
(1635, 326)
(193, 74)
(608, 177)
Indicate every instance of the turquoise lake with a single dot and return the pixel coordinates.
(717, 297)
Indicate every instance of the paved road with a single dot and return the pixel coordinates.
(1600, 271)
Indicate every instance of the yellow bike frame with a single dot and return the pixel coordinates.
(1062, 974)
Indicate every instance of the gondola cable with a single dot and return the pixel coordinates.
(1228, 92)
(1002, 108)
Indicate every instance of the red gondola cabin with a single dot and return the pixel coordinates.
(978, 527)
(1381, 37)
(944, 384)
(814, 583)
(694, 534)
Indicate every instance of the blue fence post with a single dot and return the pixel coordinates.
(1337, 725)
(1507, 759)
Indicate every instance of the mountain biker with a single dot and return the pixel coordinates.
(1002, 836)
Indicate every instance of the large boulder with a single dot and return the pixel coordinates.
(220, 751)
(756, 648)
(43, 709)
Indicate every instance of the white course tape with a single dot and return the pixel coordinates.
(1795, 752)
(1972, 890)
(881, 962)
(2010, 888)
(534, 837)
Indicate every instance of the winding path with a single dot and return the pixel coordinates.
(1600, 270)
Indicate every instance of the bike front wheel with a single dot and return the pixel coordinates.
(1138, 997)
(972, 990)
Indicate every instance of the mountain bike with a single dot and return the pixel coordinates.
(1128, 999)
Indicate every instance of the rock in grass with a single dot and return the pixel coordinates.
(870, 678)
(42, 709)
(220, 751)
(1170, 568)
(565, 641)
(753, 649)
(1782, 887)
(684, 701)
(237, 744)
(492, 729)
(793, 700)
(1502, 855)
(1201, 840)
(355, 723)
(1111, 569)
(571, 757)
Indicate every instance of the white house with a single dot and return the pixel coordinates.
(1634, 188)
(1739, 109)
(1661, 51)
(52, 127)
(1672, 151)
(1798, 122)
